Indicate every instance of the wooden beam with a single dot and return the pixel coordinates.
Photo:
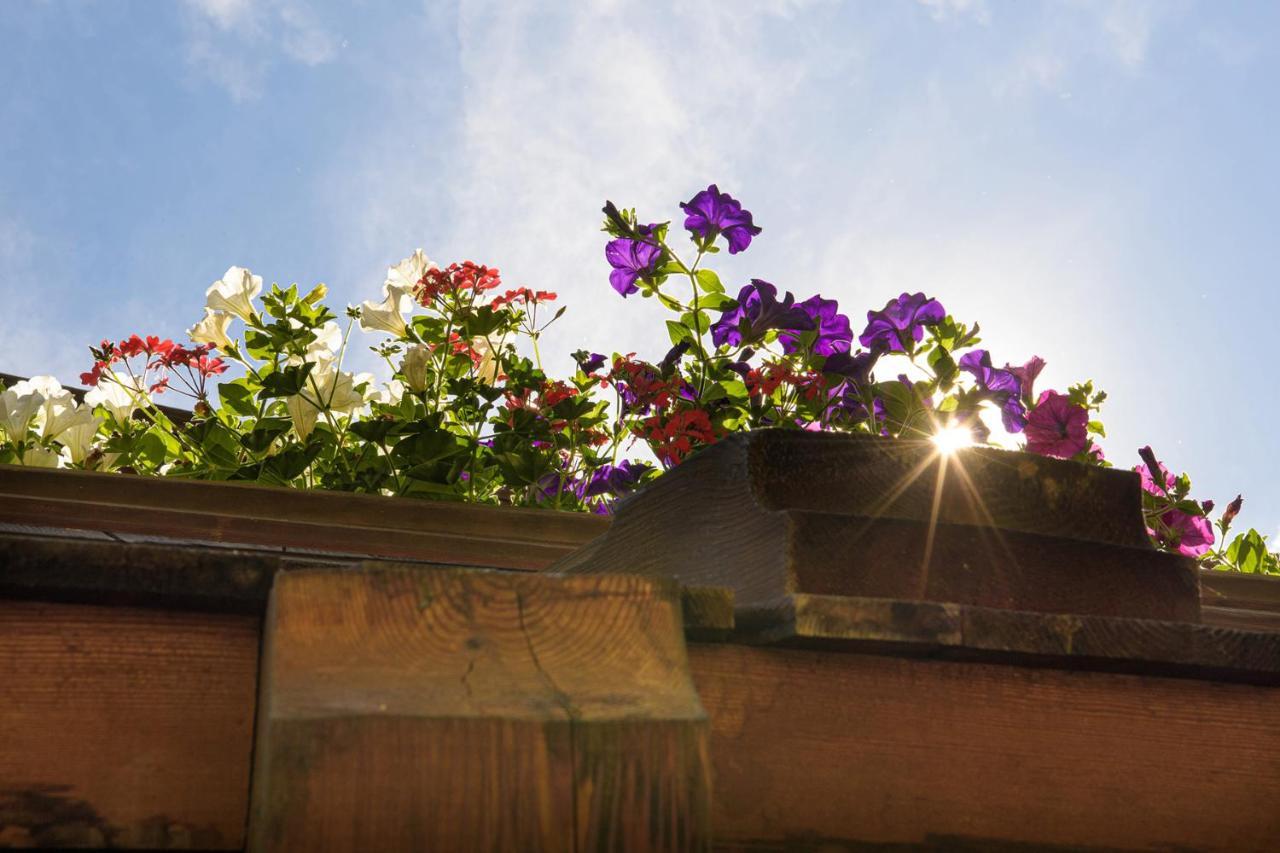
(462, 710)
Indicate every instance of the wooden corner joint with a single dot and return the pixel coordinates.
(458, 709)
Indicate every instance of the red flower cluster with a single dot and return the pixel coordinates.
(454, 278)
(764, 380)
(676, 436)
(548, 396)
(161, 355)
(640, 385)
(522, 295)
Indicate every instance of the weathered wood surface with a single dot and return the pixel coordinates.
(108, 572)
(125, 727)
(416, 710)
(293, 520)
(960, 632)
(847, 515)
(824, 750)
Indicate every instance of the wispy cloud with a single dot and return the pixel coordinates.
(945, 10)
(234, 43)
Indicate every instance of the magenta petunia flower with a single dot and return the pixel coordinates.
(1190, 535)
(901, 321)
(1057, 427)
(630, 259)
(712, 212)
(1026, 375)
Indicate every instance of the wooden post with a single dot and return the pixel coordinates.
(454, 710)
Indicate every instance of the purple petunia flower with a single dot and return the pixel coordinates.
(834, 334)
(616, 480)
(757, 312)
(712, 212)
(855, 368)
(1002, 386)
(1057, 427)
(589, 362)
(900, 322)
(630, 259)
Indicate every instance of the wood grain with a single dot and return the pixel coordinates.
(1141, 646)
(330, 522)
(125, 727)
(818, 750)
(452, 709)
(854, 516)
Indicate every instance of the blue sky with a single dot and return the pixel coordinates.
(1095, 182)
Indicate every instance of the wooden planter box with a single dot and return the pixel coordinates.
(134, 613)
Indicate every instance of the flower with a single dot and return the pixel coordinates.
(901, 321)
(614, 480)
(404, 277)
(18, 407)
(40, 457)
(387, 315)
(455, 279)
(1057, 427)
(589, 362)
(119, 394)
(630, 259)
(758, 310)
(1189, 535)
(234, 293)
(488, 368)
(1026, 376)
(1001, 385)
(212, 329)
(77, 440)
(834, 334)
(712, 212)
(1155, 478)
(674, 438)
(1233, 509)
(415, 366)
(331, 389)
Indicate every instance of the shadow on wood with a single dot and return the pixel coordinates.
(455, 710)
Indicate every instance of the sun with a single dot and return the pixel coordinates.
(950, 439)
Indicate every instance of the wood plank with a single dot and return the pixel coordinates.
(1142, 646)
(798, 514)
(453, 709)
(125, 727)
(823, 750)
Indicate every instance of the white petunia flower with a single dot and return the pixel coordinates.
(391, 393)
(403, 278)
(77, 440)
(387, 315)
(488, 369)
(212, 329)
(327, 387)
(327, 343)
(414, 367)
(234, 293)
(19, 406)
(40, 457)
(118, 394)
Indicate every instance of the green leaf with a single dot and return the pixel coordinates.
(285, 382)
(1097, 428)
(678, 332)
(264, 433)
(375, 430)
(709, 281)
(237, 396)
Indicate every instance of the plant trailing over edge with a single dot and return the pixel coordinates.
(470, 414)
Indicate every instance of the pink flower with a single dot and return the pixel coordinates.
(1190, 535)
(1057, 427)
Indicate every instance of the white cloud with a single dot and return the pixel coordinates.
(945, 10)
(561, 107)
(235, 42)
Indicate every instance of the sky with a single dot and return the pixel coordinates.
(1097, 183)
